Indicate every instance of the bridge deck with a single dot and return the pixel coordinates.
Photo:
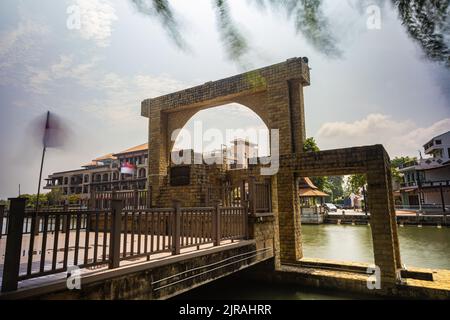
(90, 254)
(159, 278)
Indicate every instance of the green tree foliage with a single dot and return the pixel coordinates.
(3, 202)
(426, 22)
(310, 145)
(162, 10)
(331, 185)
(74, 199)
(336, 185)
(54, 197)
(235, 44)
(32, 199)
(396, 163)
(355, 183)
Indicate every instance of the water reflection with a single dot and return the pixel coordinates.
(420, 247)
(239, 287)
(427, 247)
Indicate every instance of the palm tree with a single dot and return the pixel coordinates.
(427, 22)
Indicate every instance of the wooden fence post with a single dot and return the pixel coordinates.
(216, 220)
(252, 194)
(136, 199)
(116, 229)
(2, 215)
(245, 205)
(114, 196)
(149, 196)
(92, 199)
(65, 217)
(37, 222)
(13, 244)
(176, 228)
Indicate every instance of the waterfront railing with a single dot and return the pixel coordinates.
(104, 238)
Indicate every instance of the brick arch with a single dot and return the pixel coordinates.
(275, 93)
(178, 120)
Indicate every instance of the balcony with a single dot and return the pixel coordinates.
(410, 184)
(425, 184)
(433, 184)
(53, 183)
(433, 147)
(408, 164)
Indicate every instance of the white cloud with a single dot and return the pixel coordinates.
(96, 20)
(399, 137)
(19, 46)
(123, 95)
(42, 80)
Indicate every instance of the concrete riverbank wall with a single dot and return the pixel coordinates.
(359, 219)
(417, 283)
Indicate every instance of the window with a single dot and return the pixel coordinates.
(438, 141)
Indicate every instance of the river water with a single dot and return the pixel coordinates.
(427, 247)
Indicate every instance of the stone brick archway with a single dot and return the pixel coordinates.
(373, 161)
(184, 118)
(275, 94)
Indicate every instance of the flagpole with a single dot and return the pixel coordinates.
(40, 177)
(42, 159)
(36, 231)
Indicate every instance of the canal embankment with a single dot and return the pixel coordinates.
(438, 220)
(336, 264)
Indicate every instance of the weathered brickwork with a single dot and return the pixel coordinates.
(197, 192)
(275, 93)
(261, 229)
(374, 162)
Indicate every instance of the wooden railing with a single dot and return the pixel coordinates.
(132, 199)
(93, 238)
(256, 194)
(4, 220)
(233, 222)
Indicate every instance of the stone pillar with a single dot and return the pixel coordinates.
(285, 99)
(276, 223)
(297, 115)
(384, 232)
(288, 217)
(278, 100)
(398, 259)
(157, 151)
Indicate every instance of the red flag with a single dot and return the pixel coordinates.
(127, 168)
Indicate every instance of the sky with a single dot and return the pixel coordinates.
(94, 75)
